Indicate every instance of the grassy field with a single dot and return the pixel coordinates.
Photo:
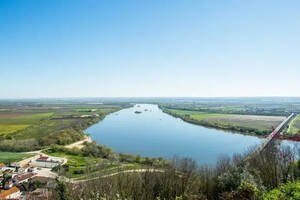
(75, 162)
(6, 157)
(12, 128)
(17, 121)
(294, 127)
(250, 124)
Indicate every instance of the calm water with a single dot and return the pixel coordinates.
(156, 134)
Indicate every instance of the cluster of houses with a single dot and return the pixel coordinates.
(13, 177)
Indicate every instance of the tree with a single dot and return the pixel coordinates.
(62, 190)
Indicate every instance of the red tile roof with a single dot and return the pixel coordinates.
(43, 158)
(23, 177)
(5, 193)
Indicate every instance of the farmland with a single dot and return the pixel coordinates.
(6, 157)
(247, 124)
(11, 122)
(31, 126)
(279, 106)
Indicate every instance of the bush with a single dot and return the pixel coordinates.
(96, 150)
(289, 191)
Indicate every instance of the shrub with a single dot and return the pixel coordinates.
(289, 191)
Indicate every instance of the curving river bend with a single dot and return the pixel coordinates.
(156, 134)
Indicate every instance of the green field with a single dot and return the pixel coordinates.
(249, 124)
(6, 157)
(294, 127)
(14, 121)
(75, 162)
(31, 127)
(12, 128)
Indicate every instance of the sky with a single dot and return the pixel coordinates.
(157, 48)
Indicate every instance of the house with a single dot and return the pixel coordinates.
(21, 178)
(2, 166)
(12, 193)
(32, 169)
(23, 170)
(27, 169)
(1, 180)
(15, 164)
(9, 184)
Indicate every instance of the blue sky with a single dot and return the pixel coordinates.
(104, 48)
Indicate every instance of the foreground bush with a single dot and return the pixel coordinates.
(289, 191)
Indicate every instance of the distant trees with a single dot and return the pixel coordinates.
(19, 145)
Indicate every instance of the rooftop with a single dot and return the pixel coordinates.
(5, 193)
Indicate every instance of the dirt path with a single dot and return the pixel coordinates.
(79, 144)
(114, 174)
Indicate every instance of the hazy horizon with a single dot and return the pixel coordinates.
(67, 49)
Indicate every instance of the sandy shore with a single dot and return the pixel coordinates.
(79, 144)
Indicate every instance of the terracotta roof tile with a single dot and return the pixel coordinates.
(5, 193)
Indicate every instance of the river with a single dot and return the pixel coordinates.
(153, 133)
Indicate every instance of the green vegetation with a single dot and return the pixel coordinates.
(76, 164)
(269, 175)
(26, 127)
(248, 124)
(11, 128)
(95, 160)
(6, 157)
(294, 126)
(288, 191)
(245, 106)
(11, 122)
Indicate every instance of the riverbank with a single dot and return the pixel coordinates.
(254, 125)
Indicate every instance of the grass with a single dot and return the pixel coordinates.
(250, 124)
(23, 118)
(11, 128)
(14, 122)
(75, 162)
(6, 157)
(195, 114)
(294, 126)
